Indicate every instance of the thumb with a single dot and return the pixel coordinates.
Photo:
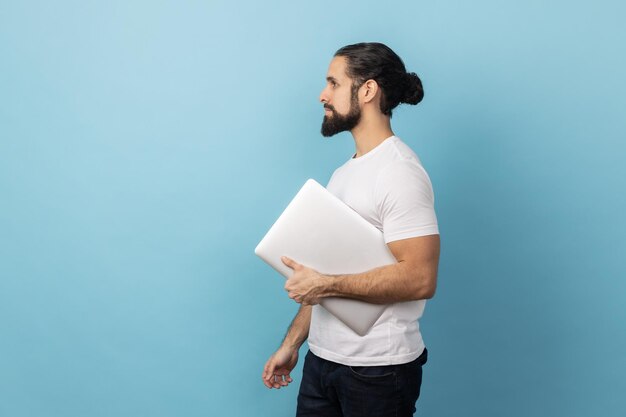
(269, 369)
(290, 263)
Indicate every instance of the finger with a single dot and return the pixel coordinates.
(270, 381)
(282, 381)
(290, 262)
(268, 371)
(295, 297)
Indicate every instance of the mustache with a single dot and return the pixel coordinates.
(329, 107)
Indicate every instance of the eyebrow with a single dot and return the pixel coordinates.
(333, 79)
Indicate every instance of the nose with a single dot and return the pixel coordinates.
(324, 95)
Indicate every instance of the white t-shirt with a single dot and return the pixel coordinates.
(389, 188)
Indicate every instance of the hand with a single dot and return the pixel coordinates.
(306, 285)
(277, 370)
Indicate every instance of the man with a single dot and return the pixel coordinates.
(380, 373)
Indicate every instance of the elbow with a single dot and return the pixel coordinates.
(427, 289)
(429, 292)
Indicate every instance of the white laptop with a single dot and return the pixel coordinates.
(320, 231)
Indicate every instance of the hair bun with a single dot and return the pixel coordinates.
(413, 93)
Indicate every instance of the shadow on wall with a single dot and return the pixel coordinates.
(504, 320)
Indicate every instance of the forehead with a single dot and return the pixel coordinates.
(337, 68)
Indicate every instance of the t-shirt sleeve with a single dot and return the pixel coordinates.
(405, 202)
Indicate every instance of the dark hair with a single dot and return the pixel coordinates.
(376, 61)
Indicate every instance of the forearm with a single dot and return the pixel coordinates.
(298, 331)
(385, 285)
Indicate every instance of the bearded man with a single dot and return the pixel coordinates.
(379, 374)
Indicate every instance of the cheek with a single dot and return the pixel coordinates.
(342, 103)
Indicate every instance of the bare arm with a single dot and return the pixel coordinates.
(277, 370)
(414, 277)
(298, 331)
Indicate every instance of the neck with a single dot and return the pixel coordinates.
(370, 133)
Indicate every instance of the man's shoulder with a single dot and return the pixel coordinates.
(400, 151)
(402, 174)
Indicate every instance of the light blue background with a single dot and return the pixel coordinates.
(146, 147)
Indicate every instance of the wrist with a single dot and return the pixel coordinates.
(291, 345)
(293, 341)
(327, 286)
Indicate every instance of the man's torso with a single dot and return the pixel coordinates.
(390, 189)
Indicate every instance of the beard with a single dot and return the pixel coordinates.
(331, 125)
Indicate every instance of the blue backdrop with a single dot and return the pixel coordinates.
(146, 147)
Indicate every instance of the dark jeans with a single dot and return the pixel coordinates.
(329, 389)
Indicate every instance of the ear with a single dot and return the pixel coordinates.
(370, 90)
